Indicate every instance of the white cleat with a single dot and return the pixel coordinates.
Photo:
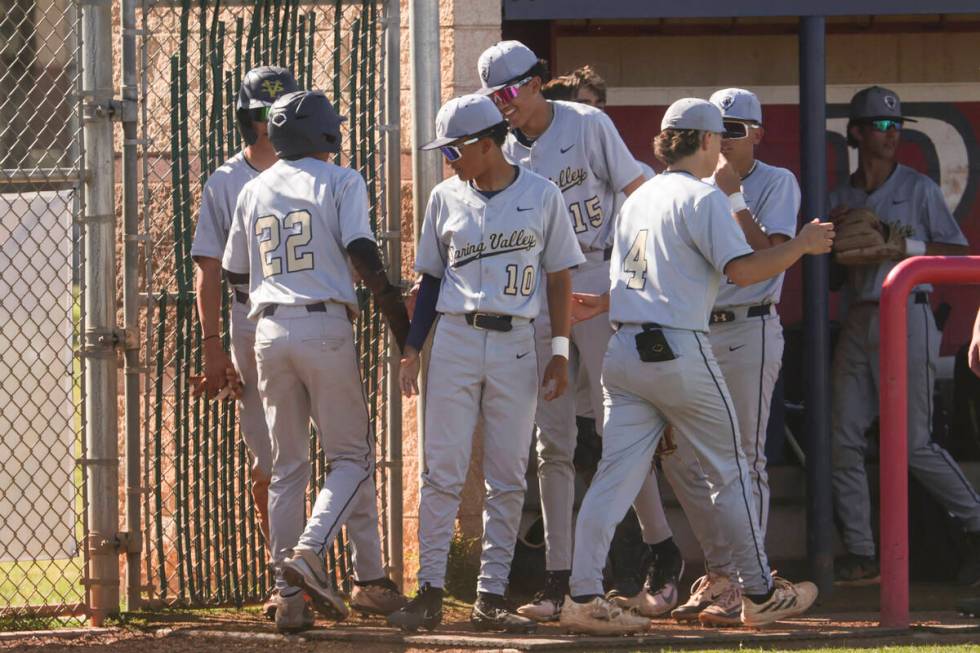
(787, 600)
(705, 591)
(600, 617)
(541, 609)
(307, 571)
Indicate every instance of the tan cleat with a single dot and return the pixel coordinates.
(270, 605)
(600, 617)
(293, 613)
(726, 610)
(787, 600)
(380, 597)
(307, 571)
(705, 591)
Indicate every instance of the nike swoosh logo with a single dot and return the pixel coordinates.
(523, 355)
(899, 201)
(529, 208)
(735, 348)
(565, 149)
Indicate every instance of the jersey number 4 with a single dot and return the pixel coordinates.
(635, 263)
(268, 230)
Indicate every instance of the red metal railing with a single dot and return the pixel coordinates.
(893, 411)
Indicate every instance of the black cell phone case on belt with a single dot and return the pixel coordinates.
(652, 346)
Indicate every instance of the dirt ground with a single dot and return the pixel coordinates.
(848, 618)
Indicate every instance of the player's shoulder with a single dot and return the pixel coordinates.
(906, 177)
(773, 173)
(576, 110)
(236, 171)
(530, 180)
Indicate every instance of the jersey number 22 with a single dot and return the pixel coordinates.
(268, 230)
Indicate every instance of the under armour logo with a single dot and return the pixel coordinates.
(890, 101)
(727, 102)
(272, 87)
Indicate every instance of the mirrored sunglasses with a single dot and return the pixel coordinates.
(506, 95)
(885, 124)
(734, 130)
(452, 152)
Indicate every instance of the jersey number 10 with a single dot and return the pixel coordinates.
(527, 281)
(268, 230)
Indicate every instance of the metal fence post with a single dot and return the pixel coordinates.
(101, 336)
(426, 96)
(393, 166)
(129, 94)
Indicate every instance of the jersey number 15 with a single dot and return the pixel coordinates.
(268, 230)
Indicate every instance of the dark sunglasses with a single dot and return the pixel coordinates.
(504, 96)
(885, 124)
(452, 152)
(734, 130)
(259, 115)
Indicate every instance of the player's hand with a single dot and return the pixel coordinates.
(726, 179)
(586, 306)
(216, 364)
(973, 355)
(817, 237)
(555, 379)
(409, 373)
(411, 298)
(233, 386)
(838, 211)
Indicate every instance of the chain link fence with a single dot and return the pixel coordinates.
(202, 543)
(42, 453)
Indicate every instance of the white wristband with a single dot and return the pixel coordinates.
(559, 346)
(914, 247)
(738, 202)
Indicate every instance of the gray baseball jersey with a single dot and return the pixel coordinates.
(909, 201)
(581, 152)
(289, 233)
(912, 202)
(773, 198)
(493, 254)
(668, 258)
(674, 237)
(291, 226)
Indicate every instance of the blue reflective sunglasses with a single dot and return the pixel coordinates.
(885, 124)
(452, 152)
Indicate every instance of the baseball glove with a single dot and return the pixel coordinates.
(862, 239)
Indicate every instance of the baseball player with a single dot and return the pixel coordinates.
(916, 219)
(579, 149)
(492, 233)
(674, 240)
(297, 230)
(747, 340)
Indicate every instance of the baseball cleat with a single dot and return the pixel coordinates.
(659, 594)
(855, 570)
(726, 610)
(423, 611)
(969, 572)
(307, 571)
(490, 613)
(546, 605)
(600, 617)
(787, 600)
(969, 607)
(705, 591)
(269, 607)
(378, 597)
(293, 613)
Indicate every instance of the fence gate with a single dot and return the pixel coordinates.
(43, 458)
(201, 543)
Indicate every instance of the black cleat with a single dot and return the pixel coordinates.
(490, 613)
(969, 573)
(855, 570)
(423, 611)
(969, 607)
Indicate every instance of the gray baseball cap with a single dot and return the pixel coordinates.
(876, 102)
(738, 104)
(693, 113)
(464, 116)
(504, 62)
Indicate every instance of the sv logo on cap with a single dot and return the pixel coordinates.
(272, 87)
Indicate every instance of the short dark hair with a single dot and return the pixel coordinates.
(497, 133)
(560, 88)
(672, 145)
(540, 69)
(588, 78)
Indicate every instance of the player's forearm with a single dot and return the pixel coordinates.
(764, 264)
(207, 283)
(560, 302)
(754, 235)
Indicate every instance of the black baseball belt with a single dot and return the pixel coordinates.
(722, 316)
(319, 307)
(489, 321)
